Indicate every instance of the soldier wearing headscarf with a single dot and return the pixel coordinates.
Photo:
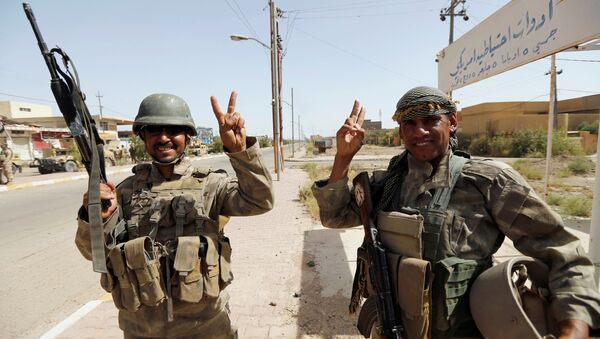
(485, 201)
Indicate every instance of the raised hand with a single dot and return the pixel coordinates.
(107, 192)
(231, 125)
(349, 138)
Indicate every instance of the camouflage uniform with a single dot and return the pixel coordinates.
(6, 156)
(250, 194)
(490, 201)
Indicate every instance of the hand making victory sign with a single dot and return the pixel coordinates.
(231, 125)
(349, 140)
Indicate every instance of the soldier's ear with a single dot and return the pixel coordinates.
(453, 118)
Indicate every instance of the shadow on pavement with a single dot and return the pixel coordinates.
(326, 283)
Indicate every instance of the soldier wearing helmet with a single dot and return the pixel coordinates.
(464, 208)
(6, 156)
(167, 254)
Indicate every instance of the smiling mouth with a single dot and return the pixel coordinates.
(423, 142)
(164, 147)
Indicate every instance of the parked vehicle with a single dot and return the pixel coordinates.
(61, 162)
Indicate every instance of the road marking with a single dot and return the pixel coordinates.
(71, 320)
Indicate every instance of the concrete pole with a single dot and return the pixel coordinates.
(551, 113)
(451, 36)
(594, 248)
(274, 88)
(279, 87)
(100, 104)
(292, 122)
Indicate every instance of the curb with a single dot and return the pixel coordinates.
(12, 187)
(30, 184)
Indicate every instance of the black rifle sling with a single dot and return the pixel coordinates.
(95, 174)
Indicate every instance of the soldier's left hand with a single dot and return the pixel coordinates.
(231, 125)
(573, 329)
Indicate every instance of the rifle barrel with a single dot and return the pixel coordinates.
(50, 62)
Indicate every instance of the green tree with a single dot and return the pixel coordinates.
(216, 146)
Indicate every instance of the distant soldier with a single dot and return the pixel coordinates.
(124, 154)
(6, 163)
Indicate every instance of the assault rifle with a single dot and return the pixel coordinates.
(71, 102)
(387, 313)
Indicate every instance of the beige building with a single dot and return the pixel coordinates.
(14, 109)
(27, 124)
(508, 117)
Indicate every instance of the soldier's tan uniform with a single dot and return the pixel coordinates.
(490, 200)
(6, 156)
(214, 194)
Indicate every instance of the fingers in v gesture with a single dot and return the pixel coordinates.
(350, 136)
(231, 125)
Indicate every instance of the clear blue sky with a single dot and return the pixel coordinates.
(336, 51)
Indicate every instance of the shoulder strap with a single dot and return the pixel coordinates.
(441, 196)
(436, 211)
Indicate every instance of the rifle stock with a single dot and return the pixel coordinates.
(71, 102)
(387, 312)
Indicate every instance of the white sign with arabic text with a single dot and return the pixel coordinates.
(520, 32)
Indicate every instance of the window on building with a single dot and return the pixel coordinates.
(24, 109)
(104, 125)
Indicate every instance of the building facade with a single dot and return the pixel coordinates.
(508, 117)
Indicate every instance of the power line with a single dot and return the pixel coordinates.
(242, 18)
(577, 90)
(28, 98)
(358, 5)
(360, 57)
(580, 60)
(53, 102)
(519, 103)
(364, 15)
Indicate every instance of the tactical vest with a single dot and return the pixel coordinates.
(173, 248)
(439, 282)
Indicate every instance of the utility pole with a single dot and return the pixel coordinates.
(299, 131)
(275, 87)
(278, 13)
(444, 12)
(100, 104)
(552, 122)
(292, 122)
(553, 93)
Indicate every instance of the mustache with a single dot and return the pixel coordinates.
(164, 144)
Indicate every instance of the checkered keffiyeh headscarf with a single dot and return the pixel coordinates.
(423, 101)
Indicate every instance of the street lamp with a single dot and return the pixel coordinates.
(275, 85)
(237, 37)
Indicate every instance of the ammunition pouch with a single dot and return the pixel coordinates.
(202, 267)
(401, 234)
(454, 277)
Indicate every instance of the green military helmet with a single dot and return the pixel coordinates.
(423, 101)
(164, 109)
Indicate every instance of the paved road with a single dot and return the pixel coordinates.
(45, 278)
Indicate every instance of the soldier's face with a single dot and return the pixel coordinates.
(164, 143)
(427, 138)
